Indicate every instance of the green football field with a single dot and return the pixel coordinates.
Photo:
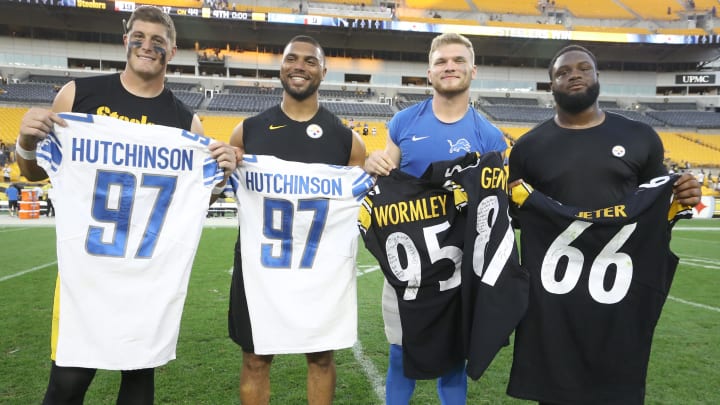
(684, 366)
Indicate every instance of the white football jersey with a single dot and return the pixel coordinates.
(131, 201)
(298, 238)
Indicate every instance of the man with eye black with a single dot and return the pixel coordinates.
(136, 95)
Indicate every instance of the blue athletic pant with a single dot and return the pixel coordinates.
(451, 387)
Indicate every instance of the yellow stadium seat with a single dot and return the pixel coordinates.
(10, 123)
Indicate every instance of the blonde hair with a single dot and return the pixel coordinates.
(448, 39)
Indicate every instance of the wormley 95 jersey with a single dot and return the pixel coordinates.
(599, 279)
(445, 243)
(415, 230)
(298, 242)
(131, 200)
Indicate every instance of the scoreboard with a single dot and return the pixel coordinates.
(184, 8)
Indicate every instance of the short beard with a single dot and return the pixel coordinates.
(576, 103)
(449, 93)
(299, 95)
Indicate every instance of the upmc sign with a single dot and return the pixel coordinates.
(694, 79)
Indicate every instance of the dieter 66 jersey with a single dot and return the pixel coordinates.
(598, 281)
(131, 201)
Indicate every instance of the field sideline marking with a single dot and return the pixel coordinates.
(30, 270)
(699, 262)
(694, 304)
(371, 372)
(12, 229)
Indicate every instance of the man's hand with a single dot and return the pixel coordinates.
(35, 125)
(687, 190)
(226, 156)
(378, 163)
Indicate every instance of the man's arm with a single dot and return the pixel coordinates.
(357, 154)
(381, 162)
(36, 124)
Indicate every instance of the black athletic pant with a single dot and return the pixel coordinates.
(68, 386)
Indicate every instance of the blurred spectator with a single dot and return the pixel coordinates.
(13, 193)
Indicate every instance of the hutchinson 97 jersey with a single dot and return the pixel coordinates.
(295, 288)
(494, 286)
(131, 201)
(598, 281)
(415, 228)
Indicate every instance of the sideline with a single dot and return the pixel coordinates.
(377, 381)
(30, 270)
(694, 304)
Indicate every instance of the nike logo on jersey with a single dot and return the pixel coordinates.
(272, 127)
(418, 138)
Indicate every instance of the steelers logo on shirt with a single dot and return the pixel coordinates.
(314, 131)
(618, 151)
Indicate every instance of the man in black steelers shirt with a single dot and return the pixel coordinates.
(137, 94)
(588, 158)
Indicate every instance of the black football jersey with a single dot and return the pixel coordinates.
(598, 281)
(494, 287)
(415, 231)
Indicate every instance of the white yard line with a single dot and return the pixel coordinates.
(362, 270)
(694, 304)
(371, 372)
(697, 262)
(11, 229)
(373, 375)
(30, 270)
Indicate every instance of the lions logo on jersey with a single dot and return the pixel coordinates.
(461, 145)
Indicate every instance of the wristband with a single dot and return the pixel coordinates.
(24, 153)
(217, 190)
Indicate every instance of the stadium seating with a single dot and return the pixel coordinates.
(346, 94)
(242, 102)
(220, 127)
(359, 109)
(526, 114)
(455, 5)
(46, 79)
(413, 97)
(10, 123)
(637, 116)
(594, 28)
(257, 90)
(655, 9)
(596, 9)
(28, 92)
(711, 140)
(520, 7)
(515, 24)
(608, 104)
(190, 98)
(181, 86)
(511, 101)
(679, 148)
(687, 119)
(681, 31)
(670, 106)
